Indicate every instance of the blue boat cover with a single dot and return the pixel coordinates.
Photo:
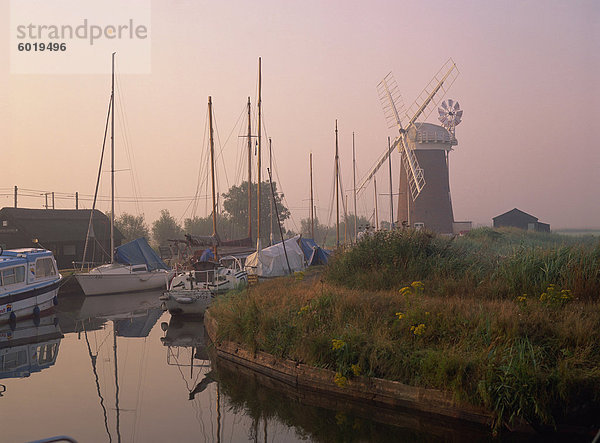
(207, 255)
(139, 252)
(314, 254)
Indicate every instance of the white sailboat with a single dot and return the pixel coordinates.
(136, 267)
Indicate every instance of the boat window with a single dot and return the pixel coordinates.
(11, 276)
(138, 269)
(47, 353)
(8, 276)
(13, 360)
(4, 223)
(20, 274)
(44, 267)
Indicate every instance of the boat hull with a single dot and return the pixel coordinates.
(100, 284)
(23, 304)
(186, 301)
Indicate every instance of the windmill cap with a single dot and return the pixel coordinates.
(429, 133)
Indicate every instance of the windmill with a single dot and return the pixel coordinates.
(424, 197)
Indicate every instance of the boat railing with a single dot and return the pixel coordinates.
(86, 266)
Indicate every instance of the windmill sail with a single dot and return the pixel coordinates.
(428, 99)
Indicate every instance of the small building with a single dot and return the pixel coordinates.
(515, 218)
(63, 231)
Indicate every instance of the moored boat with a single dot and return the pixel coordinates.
(187, 295)
(136, 268)
(29, 281)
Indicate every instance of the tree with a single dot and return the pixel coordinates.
(320, 231)
(204, 226)
(235, 205)
(198, 226)
(165, 228)
(132, 226)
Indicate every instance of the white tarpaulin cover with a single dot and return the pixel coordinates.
(270, 262)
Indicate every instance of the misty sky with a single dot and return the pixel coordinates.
(528, 85)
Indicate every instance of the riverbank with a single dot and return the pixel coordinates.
(375, 392)
(532, 358)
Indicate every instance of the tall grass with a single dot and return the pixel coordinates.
(469, 329)
(522, 360)
(485, 263)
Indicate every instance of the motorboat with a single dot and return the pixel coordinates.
(187, 295)
(29, 281)
(191, 292)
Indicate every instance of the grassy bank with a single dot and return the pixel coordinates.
(465, 325)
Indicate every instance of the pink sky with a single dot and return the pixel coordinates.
(528, 87)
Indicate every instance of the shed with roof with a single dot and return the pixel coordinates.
(63, 231)
(516, 218)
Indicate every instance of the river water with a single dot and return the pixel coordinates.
(118, 369)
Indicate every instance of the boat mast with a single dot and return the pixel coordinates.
(376, 211)
(212, 173)
(112, 163)
(346, 220)
(249, 172)
(312, 214)
(337, 196)
(271, 200)
(391, 195)
(218, 414)
(259, 151)
(116, 381)
(354, 185)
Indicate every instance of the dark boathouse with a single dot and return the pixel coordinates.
(63, 231)
(516, 218)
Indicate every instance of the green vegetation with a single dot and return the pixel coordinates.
(502, 319)
(235, 207)
(132, 226)
(486, 263)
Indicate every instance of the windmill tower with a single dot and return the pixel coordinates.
(424, 195)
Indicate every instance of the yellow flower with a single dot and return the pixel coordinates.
(340, 380)
(400, 315)
(337, 344)
(356, 370)
(303, 309)
(418, 330)
(299, 275)
(406, 290)
(418, 285)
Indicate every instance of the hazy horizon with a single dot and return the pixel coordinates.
(527, 86)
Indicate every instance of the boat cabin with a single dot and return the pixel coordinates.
(26, 267)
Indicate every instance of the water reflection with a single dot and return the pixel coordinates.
(27, 347)
(131, 316)
(186, 349)
(126, 371)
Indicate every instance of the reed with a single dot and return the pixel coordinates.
(485, 263)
